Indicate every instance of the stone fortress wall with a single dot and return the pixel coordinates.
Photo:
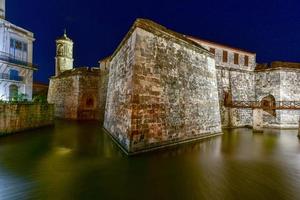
(161, 88)
(281, 80)
(103, 85)
(236, 77)
(75, 94)
(16, 117)
(239, 75)
(156, 98)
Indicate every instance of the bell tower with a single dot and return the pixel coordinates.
(64, 54)
(2, 9)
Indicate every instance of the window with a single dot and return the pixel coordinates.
(12, 43)
(25, 47)
(236, 58)
(14, 75)
(212, 50)
(16, 44)
(246, 60)
(18, 50)
(225, 56)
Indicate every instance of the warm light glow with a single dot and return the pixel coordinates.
(63, 150)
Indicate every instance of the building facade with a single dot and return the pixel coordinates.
(241, 78)
(16, 51)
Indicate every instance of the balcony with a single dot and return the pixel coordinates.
(10, 59)
(11, 77)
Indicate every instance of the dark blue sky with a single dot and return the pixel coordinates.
(271, 28)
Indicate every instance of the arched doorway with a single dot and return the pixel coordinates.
(89, 103)
(87, 109)
(13, 92)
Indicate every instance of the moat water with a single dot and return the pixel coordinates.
(79, 161)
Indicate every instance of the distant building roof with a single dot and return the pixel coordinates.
(277, 65)
(218, 44)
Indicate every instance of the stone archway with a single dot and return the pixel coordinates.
(268, 104)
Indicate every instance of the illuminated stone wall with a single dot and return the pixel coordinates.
(104, 75)
(282, 80)
(290, 91)
(233, 77)
(268, 83)
(162, 90)
(75, 94)
(19, 117)
(241, 86)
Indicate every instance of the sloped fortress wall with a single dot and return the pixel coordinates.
(162, 90)
(104, 72)
(235, 76)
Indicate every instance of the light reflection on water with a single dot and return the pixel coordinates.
(78, 161)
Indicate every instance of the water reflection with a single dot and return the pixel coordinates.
(78, 161)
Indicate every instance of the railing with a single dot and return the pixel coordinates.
(244, 104)
(10, 59)
(287, 105)
(11, 77)
(277, 105)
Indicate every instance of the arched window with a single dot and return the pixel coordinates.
(13, 91)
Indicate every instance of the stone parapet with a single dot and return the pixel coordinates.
(18, 117)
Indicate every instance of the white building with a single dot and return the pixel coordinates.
(16, 68)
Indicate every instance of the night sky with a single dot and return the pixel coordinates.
(271, 28)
